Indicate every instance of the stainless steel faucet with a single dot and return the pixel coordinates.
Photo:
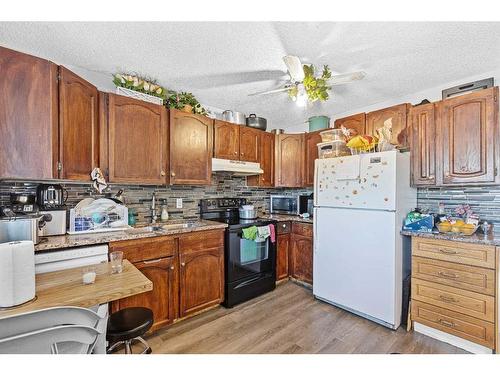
(153, 209)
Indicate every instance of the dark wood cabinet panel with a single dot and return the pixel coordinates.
(468, 138)
(249, 144)
(78, 126)
(28, 116)
(311, 149)
(266, 160)
(201, 280)
(162, 300)
(356, 122)
(301, 258)
(283, 248)
(137, 141)
(226, 140)
(190, 148)
(422, 133)
(289, 157)
(398, 113)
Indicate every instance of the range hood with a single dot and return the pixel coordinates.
(236, 167)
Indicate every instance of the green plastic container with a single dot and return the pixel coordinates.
(318, 123)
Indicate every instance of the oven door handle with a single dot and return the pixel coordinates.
(245, 283)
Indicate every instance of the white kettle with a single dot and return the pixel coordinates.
(17, 273)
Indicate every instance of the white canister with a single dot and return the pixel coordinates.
(17, 273)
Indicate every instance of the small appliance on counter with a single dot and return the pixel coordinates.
(291, 204)
(17, 273)
(21, 227)
(23, 203)
(55, 222)
(247, 211)
(50, 197)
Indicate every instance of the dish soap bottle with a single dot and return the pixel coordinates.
(164, 212)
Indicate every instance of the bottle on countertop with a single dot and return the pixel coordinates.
(164, 211)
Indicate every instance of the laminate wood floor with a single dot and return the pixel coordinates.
(288, 320)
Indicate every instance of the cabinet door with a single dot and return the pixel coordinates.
(301, 258)
(356, 122)
(312, 139)
(249, 144)
(423, 145)
(190, 148)
(201, 280)
(226, 140)
(78, 126)
(266, 160)
(283, 245)
(162, 300)
(137, 141)
(289, 160)
(467, 135)
(28, 116)
(398, 114)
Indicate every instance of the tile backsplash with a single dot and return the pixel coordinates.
(139, 197)
(485, 201)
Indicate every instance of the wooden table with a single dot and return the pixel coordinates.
(65, 288)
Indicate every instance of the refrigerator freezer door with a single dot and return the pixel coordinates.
(356, 264)
(374, 189)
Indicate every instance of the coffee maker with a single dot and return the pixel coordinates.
(51, 199)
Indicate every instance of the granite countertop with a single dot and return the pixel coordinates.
(67, 240)
(287, 218)
(476, 238)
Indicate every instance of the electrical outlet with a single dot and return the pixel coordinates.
(178, 203)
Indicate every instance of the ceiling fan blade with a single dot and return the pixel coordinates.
(341, 79)
(270, 91)
(294, 67)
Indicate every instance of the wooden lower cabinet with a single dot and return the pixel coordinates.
(190, 279)
(301, 258)
(283, 246)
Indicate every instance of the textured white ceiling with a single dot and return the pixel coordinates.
(213, 59)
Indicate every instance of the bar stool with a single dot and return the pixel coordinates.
(128, 325)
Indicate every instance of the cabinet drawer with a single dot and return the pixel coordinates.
(469, 328)
(452, 251)
(302, 229)
(470, 303)
(475, 279)
(283, 228)
(145, 248)
(201, 240)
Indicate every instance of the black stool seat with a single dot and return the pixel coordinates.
(129, 323)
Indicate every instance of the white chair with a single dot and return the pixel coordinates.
(49, 340)
(58, 316)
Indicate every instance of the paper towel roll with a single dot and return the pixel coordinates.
(17, 273)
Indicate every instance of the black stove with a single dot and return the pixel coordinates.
(250, 266)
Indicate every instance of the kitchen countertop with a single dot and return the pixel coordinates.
(65, 288)
(476, 238)
(287, 218)
(73, 240)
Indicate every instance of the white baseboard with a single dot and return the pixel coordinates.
(451, 339)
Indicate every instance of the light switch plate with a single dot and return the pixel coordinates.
(178, 203)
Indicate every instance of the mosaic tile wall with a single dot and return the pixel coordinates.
(139, 197)
(485, 201)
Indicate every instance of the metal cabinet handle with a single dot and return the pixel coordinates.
(284, 225)
(447, 299)
(242, 154)
(236, 152)
(162, 173)
(172, 174)
(183, 264)
(171, 267)
(446, 323)
(448, 275)
(446, 251)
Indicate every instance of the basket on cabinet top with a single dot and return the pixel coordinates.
(139, 95)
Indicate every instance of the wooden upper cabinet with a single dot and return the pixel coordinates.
(398, 113)
(190, 148)
(137, 138)
(289, 157)
(78, 126)
(422, 134)
(162, 300)
(266, 160)
(356, 122)
(226, 140)
(311, 149)
(28, 116)
(249, 144)
(467, 138)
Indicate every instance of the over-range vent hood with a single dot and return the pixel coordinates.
(236, 167)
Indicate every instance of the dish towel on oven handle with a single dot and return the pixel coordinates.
(249, 233)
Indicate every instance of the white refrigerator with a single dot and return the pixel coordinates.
(360, 203)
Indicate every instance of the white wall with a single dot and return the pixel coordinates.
(432, 94)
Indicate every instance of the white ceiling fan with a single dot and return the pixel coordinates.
(297, 75)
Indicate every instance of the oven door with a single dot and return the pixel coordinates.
(246, 258)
